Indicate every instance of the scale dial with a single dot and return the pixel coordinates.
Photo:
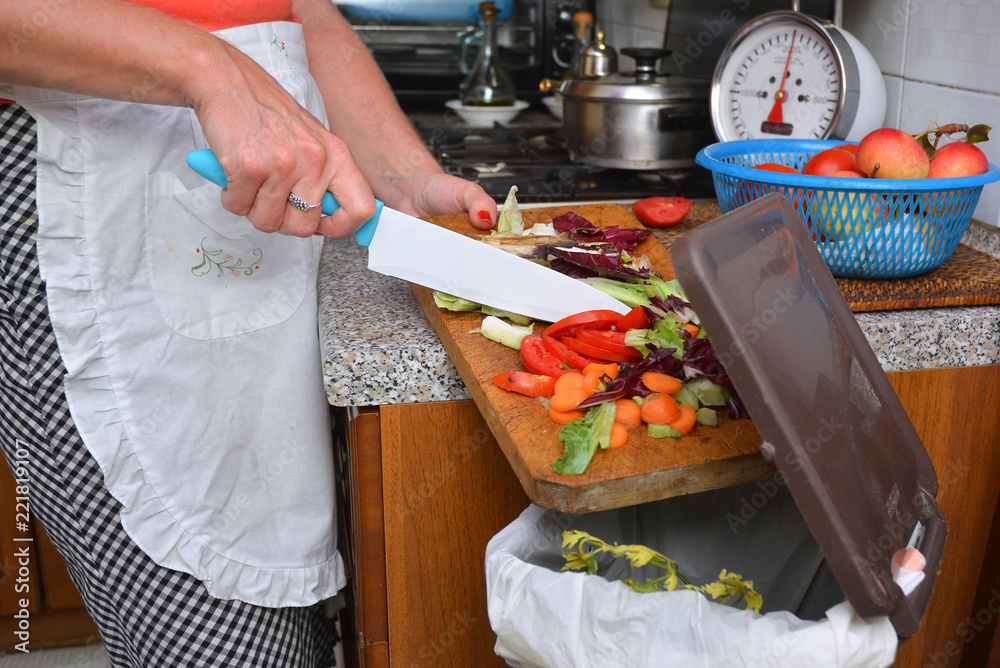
(785, 74)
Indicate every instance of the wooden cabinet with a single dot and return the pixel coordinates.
(36, 593)
(428, 486)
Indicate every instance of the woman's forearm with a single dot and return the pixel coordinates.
(360, 106)
(107, 48)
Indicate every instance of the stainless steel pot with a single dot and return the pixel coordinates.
(639, 120)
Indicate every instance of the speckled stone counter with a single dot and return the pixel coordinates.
(379, 348)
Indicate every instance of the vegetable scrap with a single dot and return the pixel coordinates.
(730, 589)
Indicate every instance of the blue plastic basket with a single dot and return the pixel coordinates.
(864, 228)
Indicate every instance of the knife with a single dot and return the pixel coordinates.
(420, 252)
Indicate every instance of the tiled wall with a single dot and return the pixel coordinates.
(940, 59)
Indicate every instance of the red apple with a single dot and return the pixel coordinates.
(888, 153)
(957, 159)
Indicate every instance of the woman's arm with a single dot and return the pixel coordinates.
(362, 111)
(267, 143)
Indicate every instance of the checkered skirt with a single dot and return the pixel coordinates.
(149, 616)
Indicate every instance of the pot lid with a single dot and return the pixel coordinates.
(829, 419)
(643, 84)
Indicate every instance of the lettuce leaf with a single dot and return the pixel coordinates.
(581, 437)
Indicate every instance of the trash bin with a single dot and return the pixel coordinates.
(854, 486)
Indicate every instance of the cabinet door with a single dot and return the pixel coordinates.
(448, 489)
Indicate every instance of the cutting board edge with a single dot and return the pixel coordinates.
(622, 492)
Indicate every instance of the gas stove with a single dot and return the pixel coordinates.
(531, 154)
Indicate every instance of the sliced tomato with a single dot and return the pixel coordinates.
(598, 319)
(661, 211)
(610, 341)
(528, 384)
(585, 348)
(564, 354)
(634, 319)
(539, 361)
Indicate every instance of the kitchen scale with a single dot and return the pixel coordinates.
(788, 74)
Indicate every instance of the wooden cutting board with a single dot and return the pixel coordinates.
(645, 469)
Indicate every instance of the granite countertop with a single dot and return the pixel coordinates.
(379, 348)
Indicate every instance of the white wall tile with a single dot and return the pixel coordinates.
(947, 43)
(924, 105)
(881, 28)
(893, 100)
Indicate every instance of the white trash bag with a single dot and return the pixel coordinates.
(548, 618)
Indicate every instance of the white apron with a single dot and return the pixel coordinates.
(190, 341)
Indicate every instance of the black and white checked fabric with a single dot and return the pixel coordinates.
(149, 616)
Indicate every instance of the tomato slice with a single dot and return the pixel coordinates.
(661, 211)
(585, 348)
(539, 361)
(564, 354)
(598, 319)
(528, 384)
(610, 341)
(634, 319)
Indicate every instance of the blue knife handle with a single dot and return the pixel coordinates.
(204, 162)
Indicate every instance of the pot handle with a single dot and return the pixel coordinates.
(679, 120)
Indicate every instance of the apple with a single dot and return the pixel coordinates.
(888, 153)
(845, 214)
(957, 159)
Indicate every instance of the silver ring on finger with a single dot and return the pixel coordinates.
(300, 204)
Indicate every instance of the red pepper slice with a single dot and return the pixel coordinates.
(528, 384)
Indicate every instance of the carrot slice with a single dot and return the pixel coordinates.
(595, 374)
(562, 417)
(692, 329)
(627, 413)
(659, 409)
(661, 382)
(567, 400)
(619, 435)
(569, 381)
(685, 423)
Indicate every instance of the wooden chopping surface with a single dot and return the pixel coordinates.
(968, 278)
(645, 469)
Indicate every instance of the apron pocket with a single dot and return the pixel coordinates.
(213, 273)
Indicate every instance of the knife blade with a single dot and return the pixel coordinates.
(420, 252)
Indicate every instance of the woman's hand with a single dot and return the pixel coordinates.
(269, 146)
(434, 193)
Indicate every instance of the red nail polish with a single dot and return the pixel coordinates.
(484, 215)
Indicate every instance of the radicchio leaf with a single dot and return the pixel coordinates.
(607, 262)
(581, 229)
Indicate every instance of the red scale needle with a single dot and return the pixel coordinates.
(779, 97)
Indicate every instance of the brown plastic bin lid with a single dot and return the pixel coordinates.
(829, 418)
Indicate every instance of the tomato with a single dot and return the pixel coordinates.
(537, 360)
(829, 161)
(634, 319)
(590, 350)
(528, 384)
(776, 167)
(599, 319)
(661, 211)
(564, 354)
(850, 148)
(610, 341)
